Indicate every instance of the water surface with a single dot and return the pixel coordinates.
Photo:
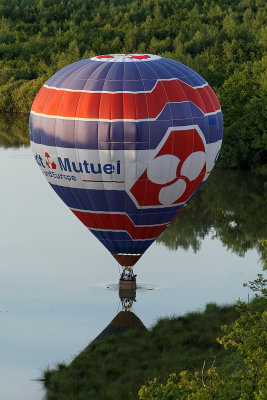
(57, 282)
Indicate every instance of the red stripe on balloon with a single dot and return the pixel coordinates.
(118, 222)
(79, 104)
(92, 180)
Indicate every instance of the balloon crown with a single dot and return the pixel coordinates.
(128, 57)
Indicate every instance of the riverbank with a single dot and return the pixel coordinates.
(117, 366)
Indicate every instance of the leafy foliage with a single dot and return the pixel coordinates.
(224, 41)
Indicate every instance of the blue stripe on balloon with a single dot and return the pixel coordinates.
(121, 242)
(114, 201)
(73, 70)
(182, 72)
(122, 135)
(91, 75)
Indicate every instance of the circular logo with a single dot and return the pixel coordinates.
(174, 173)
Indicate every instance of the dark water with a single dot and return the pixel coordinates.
(58, 285)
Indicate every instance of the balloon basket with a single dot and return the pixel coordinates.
(127, 285)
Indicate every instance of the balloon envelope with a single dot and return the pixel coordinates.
(126, 141)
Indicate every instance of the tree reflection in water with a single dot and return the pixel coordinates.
(14, 130)
(231, 206)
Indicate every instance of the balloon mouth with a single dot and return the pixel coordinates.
(127, 260)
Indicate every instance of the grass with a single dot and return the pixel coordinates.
(115, 368)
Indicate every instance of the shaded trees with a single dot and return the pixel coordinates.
(224, 41)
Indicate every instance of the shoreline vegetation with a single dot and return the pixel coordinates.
(223, 41)
(183, 352)
(116, 367)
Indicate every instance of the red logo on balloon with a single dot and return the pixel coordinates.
(105, 56)
(140, 56)
(175, 172)
(133, 56)
(49, 162)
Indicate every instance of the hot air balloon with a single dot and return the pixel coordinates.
(126, 140)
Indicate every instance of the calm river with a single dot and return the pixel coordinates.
(54, 295)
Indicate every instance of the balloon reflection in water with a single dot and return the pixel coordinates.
(125, 320)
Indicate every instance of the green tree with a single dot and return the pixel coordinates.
(243, 96)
